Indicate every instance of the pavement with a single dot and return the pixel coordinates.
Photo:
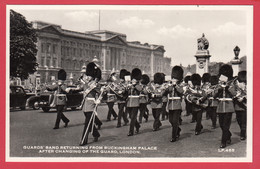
(32, 135)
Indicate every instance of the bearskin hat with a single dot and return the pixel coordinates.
(145, 79)
(128, 73)
(91, 69)
(187, 78)
(158, 78)
(241, 77)
(196, 79)
(227, 71)
(98, 74)
(213, 80)
(136, 74)
(163, 75)
(62, 74)
(122, 73)
(177, 73)
(205, 77)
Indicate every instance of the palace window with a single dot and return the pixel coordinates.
(68, 51)
(54, 49)
(62, 63)
(80, 52)
(54, 62)
(62, 51)
(42, 61)
(74, 51)
(48, 61)
(43, 47)
(48, 48)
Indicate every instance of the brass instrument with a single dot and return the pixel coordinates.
(197, 98)
(241, 95)
(114, 87)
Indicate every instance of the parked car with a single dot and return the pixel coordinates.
(33, 102)
(74, 100)
(18, 97)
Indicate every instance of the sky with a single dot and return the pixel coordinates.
(177, 28)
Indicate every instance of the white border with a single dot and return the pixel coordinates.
(247, 8)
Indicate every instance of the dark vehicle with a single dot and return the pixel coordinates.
(33, 102)
(74, 100)
(18, 97)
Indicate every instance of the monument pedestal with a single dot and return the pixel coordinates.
(235, 66)
(202, 61)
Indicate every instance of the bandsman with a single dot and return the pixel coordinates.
(110, 95)
(121, 99)
(144, 98)
(213, 102)
(225, 92)
(157, 90)
(188, 105)
(206, 86)
(197, 97)
(133, 91)
(92, 97)
(165, 99)
(175, 92)
(60, 98)
(240, 101)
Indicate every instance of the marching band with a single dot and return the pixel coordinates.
(218, 95)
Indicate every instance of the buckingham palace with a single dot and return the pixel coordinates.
(71, 50)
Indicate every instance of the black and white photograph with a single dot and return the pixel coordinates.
(129, 83)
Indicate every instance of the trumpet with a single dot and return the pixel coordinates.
(167, 85)
(241, 94)
(228, 83)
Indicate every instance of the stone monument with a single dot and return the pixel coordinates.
(202, 56)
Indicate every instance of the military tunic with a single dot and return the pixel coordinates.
(174, 106)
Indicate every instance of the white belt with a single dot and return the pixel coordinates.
(110, 94)
(60, 94)
(134, 96)
(90, 98)
(174, 98)
(225, 99)
(142, 95)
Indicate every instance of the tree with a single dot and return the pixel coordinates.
(23, 48)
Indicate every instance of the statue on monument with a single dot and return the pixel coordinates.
(203, 43)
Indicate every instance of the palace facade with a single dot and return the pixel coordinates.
(59, 48)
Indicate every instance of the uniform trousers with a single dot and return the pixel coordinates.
(127, 112)
(164, 112)
(111, 110)
(122, 113)
(142, 108)
(198, 118)
(87, 121)
(98, 121)
(213, 115)
(225, 122)
(174, 120)
(156, 115)
(60, 116)
(188, 107)
(133, 111)
(241, 120)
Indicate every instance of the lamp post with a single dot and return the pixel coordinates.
(236, 52)
(236, 61)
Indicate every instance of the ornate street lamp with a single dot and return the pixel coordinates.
(236, 52)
